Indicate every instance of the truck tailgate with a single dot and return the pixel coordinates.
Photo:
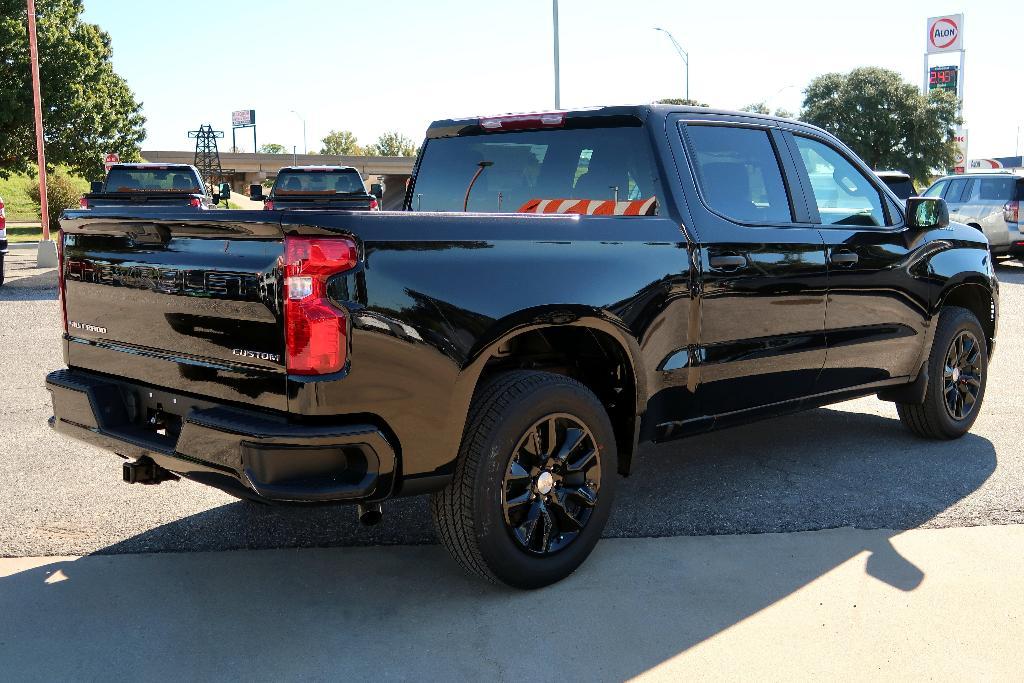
(190, 304)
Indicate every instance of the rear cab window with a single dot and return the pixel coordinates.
(155, 179)
(739, 173)
(319, 181)
(606, 170)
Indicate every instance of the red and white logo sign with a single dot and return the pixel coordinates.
(110, 160)
(945, 34)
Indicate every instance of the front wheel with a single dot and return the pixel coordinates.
(957, 374)
(533, 482)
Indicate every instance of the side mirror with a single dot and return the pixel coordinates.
(927, 212)
(216, 198)
(96, 186)
(225, 191)
(256, 192)
(377, 190)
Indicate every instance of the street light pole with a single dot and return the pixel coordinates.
(305, 148)
(33, 51)
(682, 53)
(554, 21)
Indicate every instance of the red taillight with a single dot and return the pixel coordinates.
(316, 331)
(268, 205)
(550, 119)
(1011, 211)
(195, 202)
(62, 291)
(83, 203)
(374, 205)
(3, 216)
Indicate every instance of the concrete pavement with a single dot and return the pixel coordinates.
(938, 604)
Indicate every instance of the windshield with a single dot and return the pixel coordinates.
(522, 171)
(346, 181)
(152, 180)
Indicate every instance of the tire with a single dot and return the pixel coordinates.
(935, 418)
(486, 518)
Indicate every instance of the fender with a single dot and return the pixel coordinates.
(547, 317)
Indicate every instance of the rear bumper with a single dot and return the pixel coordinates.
(246, 452)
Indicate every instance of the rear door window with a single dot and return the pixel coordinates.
(739, 173)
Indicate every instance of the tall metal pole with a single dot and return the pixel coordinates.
(305, 149)
(33, 51)
(683, 54)
(558, 95)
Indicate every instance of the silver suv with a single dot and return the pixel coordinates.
(989, 202)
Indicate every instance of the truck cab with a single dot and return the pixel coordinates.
(335, 188)
(152, 187)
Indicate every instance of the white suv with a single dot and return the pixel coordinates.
(989, 202)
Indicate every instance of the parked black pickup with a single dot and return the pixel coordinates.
(338, 188)
(561, 287)
(152, 187)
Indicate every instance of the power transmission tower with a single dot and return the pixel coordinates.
(207, 158)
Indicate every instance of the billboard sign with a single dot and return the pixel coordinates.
(945, 34)
(998, 162)
(245, 117)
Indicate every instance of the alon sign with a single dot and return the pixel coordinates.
(946, 34)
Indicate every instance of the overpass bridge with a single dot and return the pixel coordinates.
(242, 169)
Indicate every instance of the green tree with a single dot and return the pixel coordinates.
(87, 108)
(272, 148)
(885, 120)
(762, 108)
(341, 142)
(62, 192)
(682, 102)
(392, 144)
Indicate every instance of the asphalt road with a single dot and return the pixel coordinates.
(848, 465)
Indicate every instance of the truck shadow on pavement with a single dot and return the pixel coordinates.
(403, 612)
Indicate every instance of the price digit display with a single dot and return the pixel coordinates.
(943, 77)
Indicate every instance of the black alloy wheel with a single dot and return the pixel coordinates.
(962, 375)
(552, 484)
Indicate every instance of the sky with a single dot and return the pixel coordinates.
(370, 67)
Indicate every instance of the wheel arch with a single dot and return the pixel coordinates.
(593, 348)
(974, 294)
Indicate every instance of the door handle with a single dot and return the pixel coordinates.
(843, 258)
(727, 262)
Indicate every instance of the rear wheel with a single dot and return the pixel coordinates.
(957, 374)
(533, 483)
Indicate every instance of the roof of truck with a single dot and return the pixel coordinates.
(630, 114)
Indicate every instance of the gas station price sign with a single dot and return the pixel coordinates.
(943, 78)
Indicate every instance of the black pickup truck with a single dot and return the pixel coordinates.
(338, 188)
(152, 187)
(560, 288)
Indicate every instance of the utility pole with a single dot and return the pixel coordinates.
(46, 255)
(558, 95)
